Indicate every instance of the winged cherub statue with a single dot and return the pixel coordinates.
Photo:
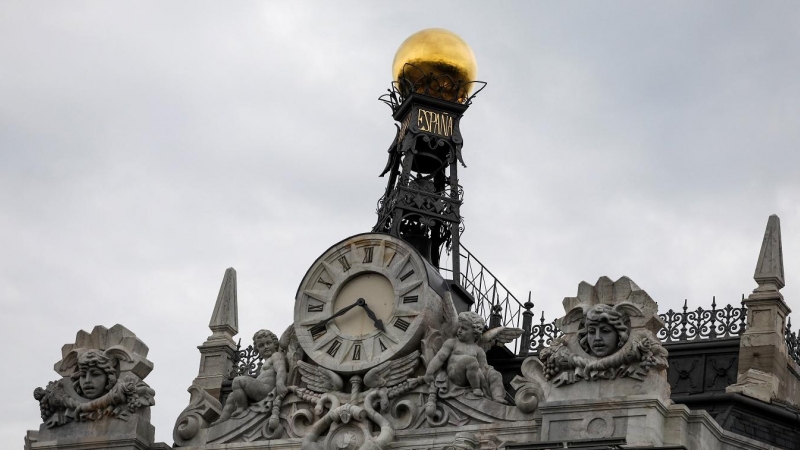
(464, 357)
(271, 378)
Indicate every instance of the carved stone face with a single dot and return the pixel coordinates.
(602, 338)
(93, 383)
(265, 346)
(466, 333)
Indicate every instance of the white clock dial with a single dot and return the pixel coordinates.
(364, 301)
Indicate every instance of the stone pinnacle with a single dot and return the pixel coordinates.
(769, 269)
(225, 319)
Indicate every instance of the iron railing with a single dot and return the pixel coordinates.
(499, 307)
(493, 301)
(792, 342)
(703, 324)
(679, 326)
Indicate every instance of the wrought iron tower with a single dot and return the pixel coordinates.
(423, 197)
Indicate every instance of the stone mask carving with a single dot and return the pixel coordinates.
(604, 331)
(96, 374)
(102, 378)
(609, 332)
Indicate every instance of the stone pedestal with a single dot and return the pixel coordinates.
(638, 419)
(654, 386)
(763, 357)
(135, 433)
(216, 361)
(763, 344)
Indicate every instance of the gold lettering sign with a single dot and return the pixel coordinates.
(435, 122)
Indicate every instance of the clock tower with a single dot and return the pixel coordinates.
(433, 86)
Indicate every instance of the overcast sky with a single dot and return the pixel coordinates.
(146, 147)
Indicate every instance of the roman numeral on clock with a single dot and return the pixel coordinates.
(345, 264)
(334, 348)
(318, 331)
(391, 259)
(367, 255)
(314, 308)
(401, 324)
(410, 299)
(383, 346)
(357, 352)
(406, 275)
(322, 281)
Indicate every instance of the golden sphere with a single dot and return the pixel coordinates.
(437, 51)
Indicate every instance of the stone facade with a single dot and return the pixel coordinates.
(606, 378)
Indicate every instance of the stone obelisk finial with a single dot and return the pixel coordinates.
(218, 351)
(763, 357)
(769, 269)
(225, 319)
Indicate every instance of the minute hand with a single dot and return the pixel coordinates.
(340, 312)
(378, 323)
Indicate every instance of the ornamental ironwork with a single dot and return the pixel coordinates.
(245, 362)
(792, 343)
(414, 80)
(541, 335)
(701, 324)
(493, 301)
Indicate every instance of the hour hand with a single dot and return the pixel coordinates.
(378, 322)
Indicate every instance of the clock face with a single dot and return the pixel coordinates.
(362, 303)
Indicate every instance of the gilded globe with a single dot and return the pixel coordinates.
(437, 51)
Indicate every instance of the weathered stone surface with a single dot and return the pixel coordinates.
(756, 384)
(490, 436)
(608, 350)
(225, 319)
(769, 269)
(763, 355)
(639, 419)
(697, 430)
(219, 350)
(102, 384)
(203, 409)
(135, 433)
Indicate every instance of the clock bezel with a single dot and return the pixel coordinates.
(401, 343)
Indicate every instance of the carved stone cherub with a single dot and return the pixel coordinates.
(271, 377)
(465, 361)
